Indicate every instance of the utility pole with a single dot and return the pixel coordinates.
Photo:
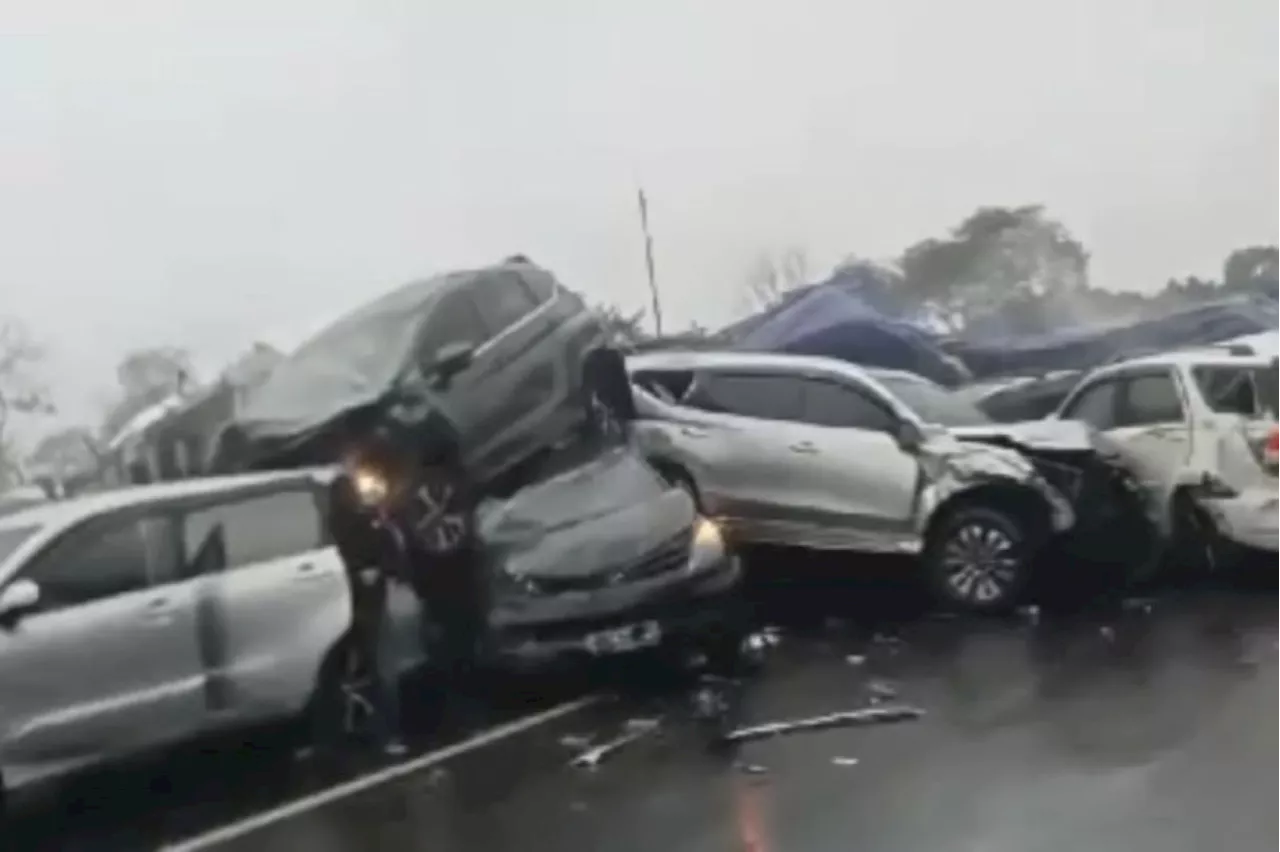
(648, 262)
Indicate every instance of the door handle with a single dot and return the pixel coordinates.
(156, 613)
(157, 604)
(803, 447)
(691, 432)
(306, 567)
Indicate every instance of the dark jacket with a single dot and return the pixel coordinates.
(369, 550)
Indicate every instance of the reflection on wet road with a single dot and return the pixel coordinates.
(1145, 726)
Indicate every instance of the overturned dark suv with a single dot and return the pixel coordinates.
(482, 370)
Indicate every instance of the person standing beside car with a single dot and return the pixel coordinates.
(371, 554)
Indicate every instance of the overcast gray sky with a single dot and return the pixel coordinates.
(208, 172)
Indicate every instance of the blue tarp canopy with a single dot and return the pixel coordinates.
(1089, 347)
(836, 319)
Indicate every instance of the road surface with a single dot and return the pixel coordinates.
(1146, 726)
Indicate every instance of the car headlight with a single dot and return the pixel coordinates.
(708, 543)
(371, 486)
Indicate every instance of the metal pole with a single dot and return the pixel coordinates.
(648, 261)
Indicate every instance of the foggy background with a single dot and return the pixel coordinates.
(208, 174)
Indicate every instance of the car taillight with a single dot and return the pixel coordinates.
(1271, 449)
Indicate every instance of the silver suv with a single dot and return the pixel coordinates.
(820, 453)
(137, 618)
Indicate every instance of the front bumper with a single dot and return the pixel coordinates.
(546, 632)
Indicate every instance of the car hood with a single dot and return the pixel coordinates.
(606, 513)
(1049, 435)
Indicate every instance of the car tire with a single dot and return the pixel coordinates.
(1195, 544)
(978, 558)
(442, 519)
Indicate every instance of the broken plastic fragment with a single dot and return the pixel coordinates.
(855, 659)
(881, 691)
(849, 718)
(633, 730)
(1142, 605)
(844, 761)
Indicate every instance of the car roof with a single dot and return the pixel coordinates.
(703, 359)
(1207, 356)
(63, 513)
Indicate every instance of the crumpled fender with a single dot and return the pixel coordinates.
(950, 467)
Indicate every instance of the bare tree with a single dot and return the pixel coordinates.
(21, 392)
(771, 277)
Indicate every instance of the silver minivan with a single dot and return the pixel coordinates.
(138, 618)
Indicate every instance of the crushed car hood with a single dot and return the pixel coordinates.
(1051, 435)
(608, 512)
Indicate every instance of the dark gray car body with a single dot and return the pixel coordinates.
(520, 391)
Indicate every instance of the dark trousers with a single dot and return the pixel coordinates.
(362, 689)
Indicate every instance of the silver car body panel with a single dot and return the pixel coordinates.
(1171, 456)
(793, 483)
(131, 672)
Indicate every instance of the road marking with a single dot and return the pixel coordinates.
(238, 829)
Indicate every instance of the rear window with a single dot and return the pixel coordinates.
(13, 538)
(1250, 391)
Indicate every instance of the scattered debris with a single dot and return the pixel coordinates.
(754, 648)
(1030, 613)
(849, 718)
(751, 768)
(641, 725)
(855, 659)
(881, 691)
(1142, 605)
(844, 761)
(633, 730)
(438, 777)
(577, 741)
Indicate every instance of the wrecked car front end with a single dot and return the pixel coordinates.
(1115, 519)
(603, 560)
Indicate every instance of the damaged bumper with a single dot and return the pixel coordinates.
(1248, 519)
(539, 631)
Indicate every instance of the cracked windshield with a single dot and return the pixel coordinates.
(639, 427)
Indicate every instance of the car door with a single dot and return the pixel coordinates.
(108, 663)
(275, 599)
(518, 380)
(857, 480)
(1144, 413)
(740, 447)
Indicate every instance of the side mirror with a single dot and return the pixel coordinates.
(18, 598)
(908, 436)
(448, 361)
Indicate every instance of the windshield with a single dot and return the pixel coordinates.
(933, 404)
(13, 538)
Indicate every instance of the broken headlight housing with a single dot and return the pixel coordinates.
(707, 545)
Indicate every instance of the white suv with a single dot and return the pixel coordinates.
(136, 618)
(1201, 427)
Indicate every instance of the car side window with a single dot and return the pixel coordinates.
(1149, 400)
(768, 397)
(830, 404)
(250, 530)
(503, 299)
(454, 320)
(1095, 405)
(105, 558)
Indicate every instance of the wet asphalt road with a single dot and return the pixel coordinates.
(1151, 726)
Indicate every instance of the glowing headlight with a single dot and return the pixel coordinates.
(370, 485)
(708, 543)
